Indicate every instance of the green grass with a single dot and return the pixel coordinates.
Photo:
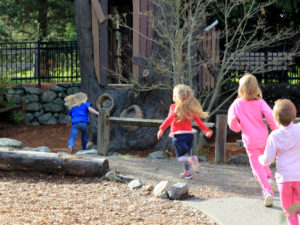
(56, 75)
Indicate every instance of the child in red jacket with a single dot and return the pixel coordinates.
(181, 114)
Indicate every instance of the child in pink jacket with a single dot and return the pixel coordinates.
(284, 145)
(246, 115)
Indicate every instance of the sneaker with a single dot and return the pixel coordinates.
(195, 163)
(268, 200)
(70, 149)
(186, 176)
(272, 184)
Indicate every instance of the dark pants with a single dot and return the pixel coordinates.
(182, 143)
(83, 128)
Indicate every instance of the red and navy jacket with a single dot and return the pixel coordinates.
(181, 127)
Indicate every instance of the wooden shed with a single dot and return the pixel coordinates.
(118, 50)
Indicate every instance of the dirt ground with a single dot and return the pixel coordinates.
(56, 138)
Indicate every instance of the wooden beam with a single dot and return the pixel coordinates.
(142, 122)
(96, 47)
(45, 162)
(98, 10)
(136, 37)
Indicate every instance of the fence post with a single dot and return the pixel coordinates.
(37, 62)
(103, 132)
(221, 136)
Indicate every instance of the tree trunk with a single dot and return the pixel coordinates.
(52, 163)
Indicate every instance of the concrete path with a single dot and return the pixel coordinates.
(240, 211)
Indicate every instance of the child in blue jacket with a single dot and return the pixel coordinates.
(78, 115)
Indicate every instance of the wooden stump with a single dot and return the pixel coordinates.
(52, 163)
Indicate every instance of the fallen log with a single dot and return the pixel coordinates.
(53, 163)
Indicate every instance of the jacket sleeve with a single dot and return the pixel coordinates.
(233, 121)
(267, 111)
(169, 119)
(270, 152)
(201, 124)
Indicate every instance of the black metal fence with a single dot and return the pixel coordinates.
(36, 62)
(276, 64)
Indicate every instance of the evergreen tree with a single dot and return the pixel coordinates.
(30, 20)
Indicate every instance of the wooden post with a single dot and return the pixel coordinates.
(104, 45)
(103, 132)
(136, 37)
(221, 136)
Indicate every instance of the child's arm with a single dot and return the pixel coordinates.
(166, 123)
(233, 121)
(207, 132)
(92, 110)
(269, 154)
(160, 133)
(267, 111)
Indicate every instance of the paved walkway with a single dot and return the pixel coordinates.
(240, 211)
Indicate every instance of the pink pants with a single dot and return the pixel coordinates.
(290, 195)
(261, 173)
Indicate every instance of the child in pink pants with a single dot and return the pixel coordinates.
(246, 115)
(284, 145)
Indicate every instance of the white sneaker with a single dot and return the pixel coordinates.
(273, 184)
(268, 200)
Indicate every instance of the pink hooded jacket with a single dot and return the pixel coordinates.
(247, 116)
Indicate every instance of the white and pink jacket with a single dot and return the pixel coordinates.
(284, 144)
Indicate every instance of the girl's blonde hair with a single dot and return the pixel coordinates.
(75, 99)
(186, 105)
(249, 88)
(284, 111)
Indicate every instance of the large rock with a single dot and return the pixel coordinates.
(160, 188)
(57, 89)
(34, 106)
(56, 106)
(32, 91)
(47, 119)
(158, 155)
(30, 98)
(48, 96)
(135, 184)
(7, 142)
(178, 191)
(15, 98)
(239, 159)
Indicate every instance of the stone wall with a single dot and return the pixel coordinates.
(43, 107)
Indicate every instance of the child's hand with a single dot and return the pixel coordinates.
(160, 133)
(209, 133)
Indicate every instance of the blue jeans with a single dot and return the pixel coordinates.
(75, 128)
(182, 143)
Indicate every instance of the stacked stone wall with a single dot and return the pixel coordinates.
(43, 107)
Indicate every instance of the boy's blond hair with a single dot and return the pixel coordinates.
(284, 111)
(186, 105)
(249, 88)
(75, 99)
